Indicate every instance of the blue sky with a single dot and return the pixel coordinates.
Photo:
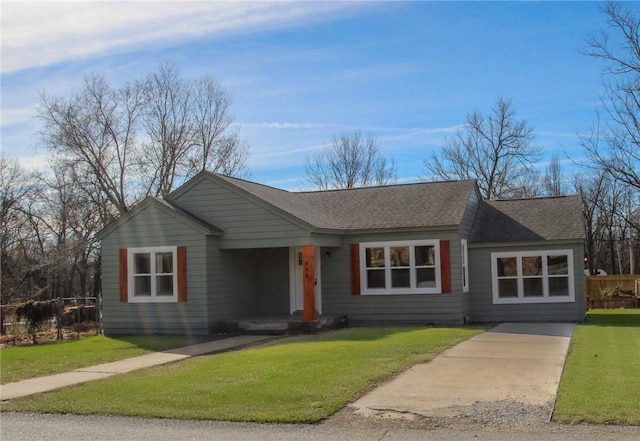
(302, 72)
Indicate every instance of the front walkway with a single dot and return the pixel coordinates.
(513, 366)
(50, 382)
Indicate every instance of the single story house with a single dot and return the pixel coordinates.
(220, 248)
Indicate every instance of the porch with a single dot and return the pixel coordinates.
(281, 324)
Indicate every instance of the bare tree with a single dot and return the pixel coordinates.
(593, 191)
(144, 138)
(495, 149)
(527, 185)
(218, 145)
(188, 124)
(620, 154)
(351, 161)
(552, 182)
(16, 189)
(94, 130)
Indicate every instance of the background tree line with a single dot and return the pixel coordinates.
(113, 146)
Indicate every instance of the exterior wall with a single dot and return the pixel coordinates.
(480, 278)
(246, 224)
(232, 285)
(390, 309)
(273, 280)
(464, 230)
(466, 224)
(152, 227)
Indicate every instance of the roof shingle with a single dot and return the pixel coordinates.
(394, 206)
(525, 220)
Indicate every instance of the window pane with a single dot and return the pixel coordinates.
(142, 286)
(400, 278)
(533, 287)
(164, 263)
(164, 285)
(558, 286)
(507, 267)
(425, 256)
(375, 279)
(507, 288)
(399, 256)
(375, 257)
(142, 263)
(426, 277)
(558, 265)
(532, 266)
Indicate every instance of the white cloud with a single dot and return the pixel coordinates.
(292, 125)
(35, 163)
(16, 115)
(43, 33)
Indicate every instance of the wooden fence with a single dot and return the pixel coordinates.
(596, 286)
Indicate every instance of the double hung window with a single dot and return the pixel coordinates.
(406, 267)
(152, 274)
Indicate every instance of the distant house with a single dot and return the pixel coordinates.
(220, 248)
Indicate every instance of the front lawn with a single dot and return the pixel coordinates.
(298, 381)
(601, 379)
(22, 362)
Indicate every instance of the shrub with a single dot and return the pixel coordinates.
(36, 314)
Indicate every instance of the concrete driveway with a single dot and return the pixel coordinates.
(509, 372)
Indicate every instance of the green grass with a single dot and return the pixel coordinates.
(22, 362)
(299, 381)
(601, 379)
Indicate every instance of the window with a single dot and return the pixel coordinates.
(465, 265)
(400, 267)
(152, 274)
(533, 276)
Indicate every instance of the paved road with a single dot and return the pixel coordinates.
(49, 427)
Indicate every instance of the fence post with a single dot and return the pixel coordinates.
(59, 307)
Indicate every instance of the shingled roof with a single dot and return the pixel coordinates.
(434, 204)
(525, 220)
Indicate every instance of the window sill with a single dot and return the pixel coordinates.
(517, 301)
(400, 293)
(172, 299)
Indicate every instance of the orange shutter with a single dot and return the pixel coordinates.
(355, 269)
(124, 279)
(182, 274)
(445, 266)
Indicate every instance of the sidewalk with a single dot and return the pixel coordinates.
(50, 382)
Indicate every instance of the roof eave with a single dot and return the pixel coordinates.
(171, 210)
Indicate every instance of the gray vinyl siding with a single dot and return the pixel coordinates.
(246, 223)
(480, 277)
(232, 288)
(152, 227)
(466, 224)
(273, 280)
(391, 309)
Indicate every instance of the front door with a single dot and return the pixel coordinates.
(295, 280)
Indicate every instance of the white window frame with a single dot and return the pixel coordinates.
(153, 298)
(413, 289)
(545, 298)
(464, 250)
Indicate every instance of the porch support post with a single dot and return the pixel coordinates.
(309, 283)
